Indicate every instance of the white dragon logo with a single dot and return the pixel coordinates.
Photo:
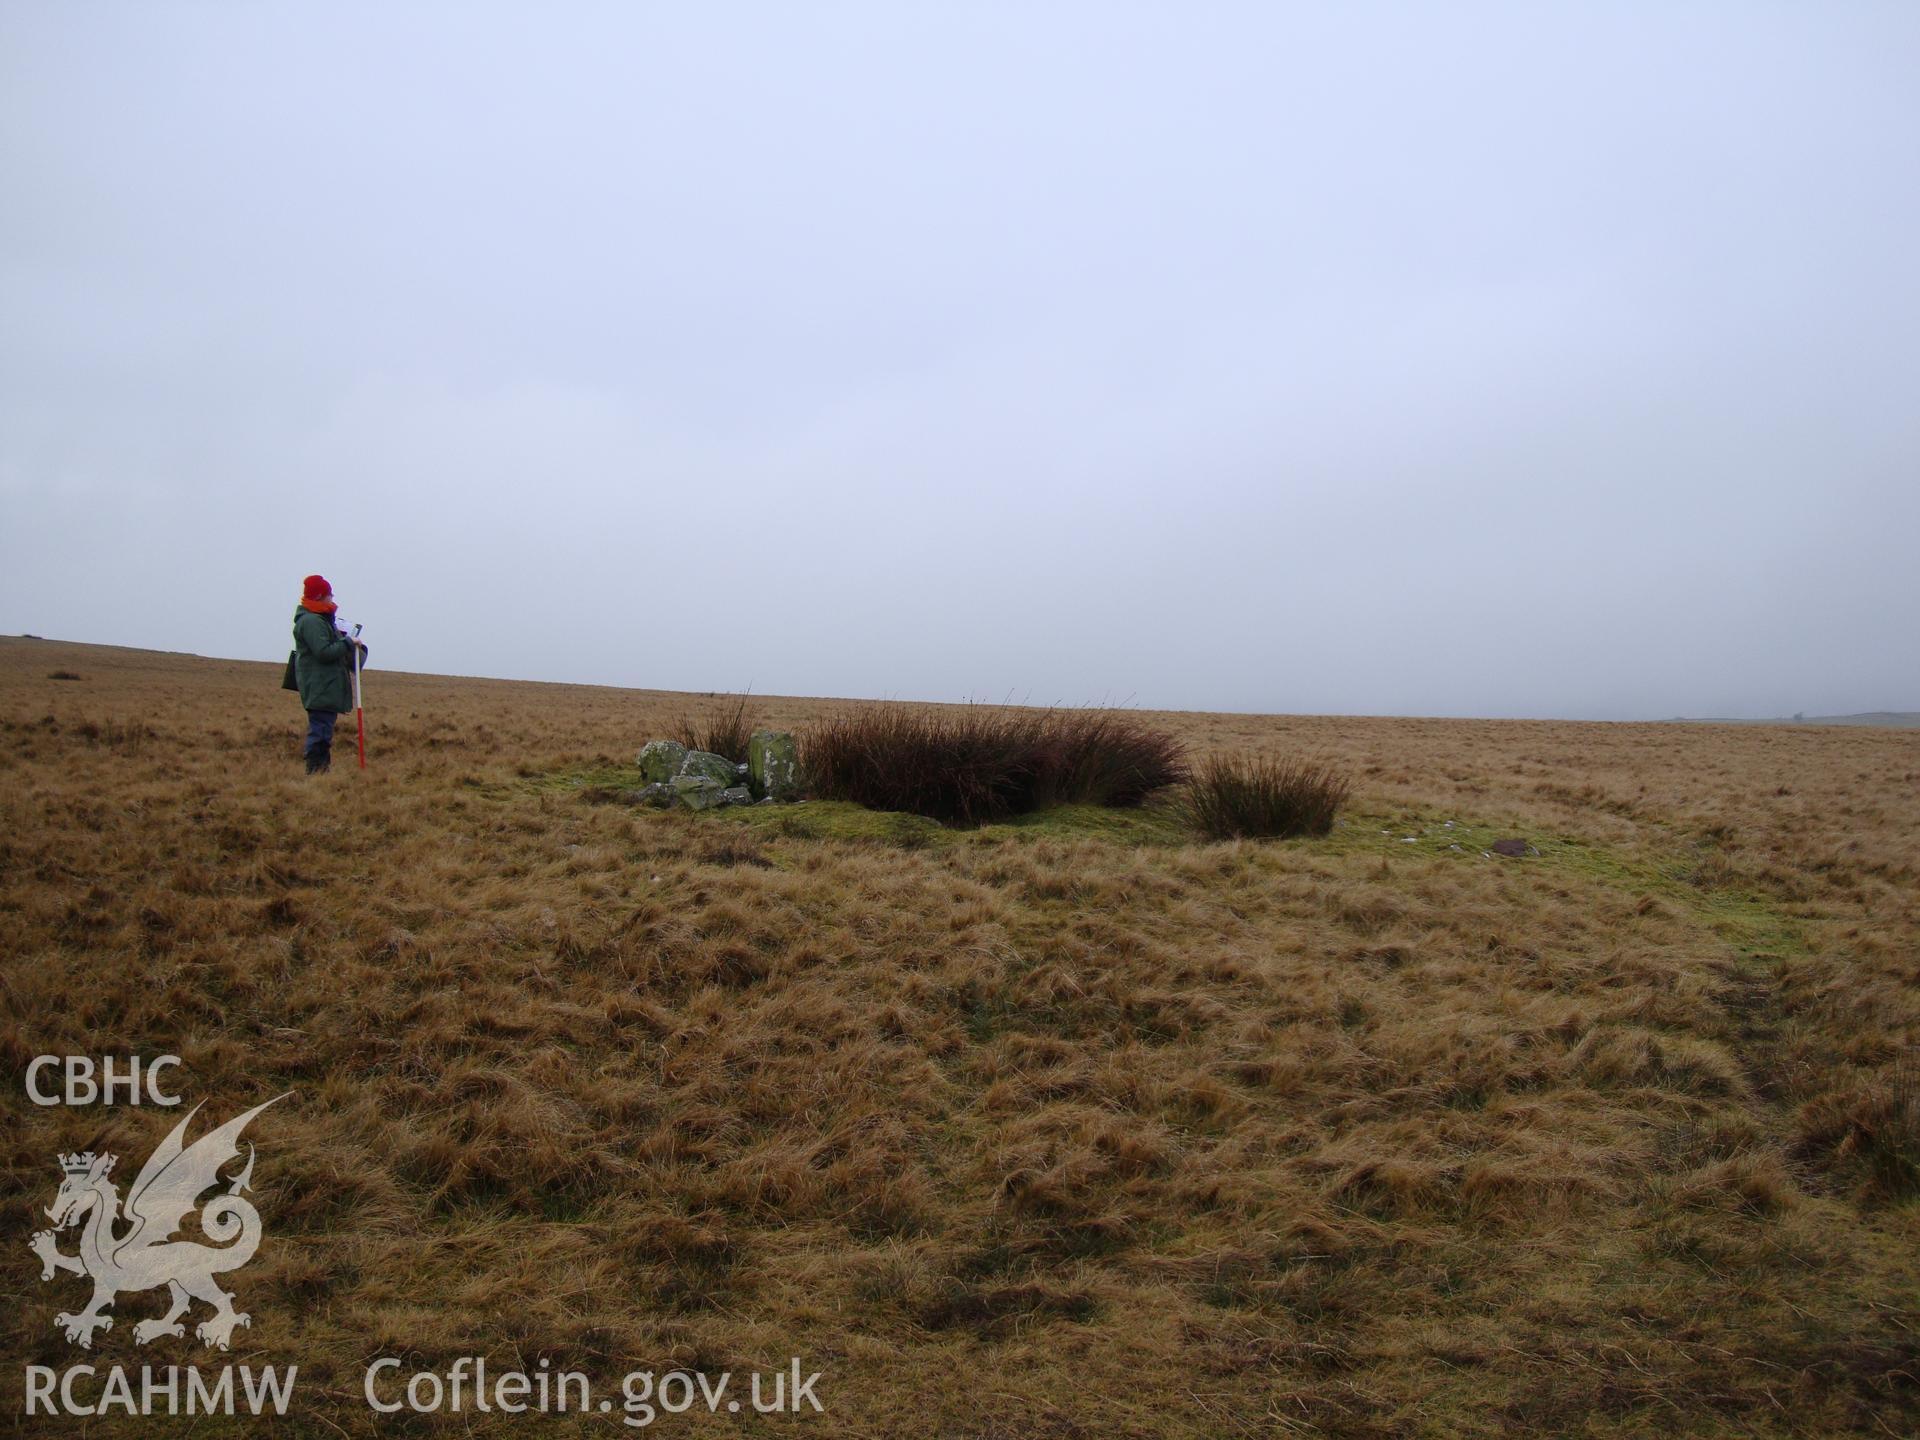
(145, 1255)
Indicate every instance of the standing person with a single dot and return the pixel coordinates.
(323, 664)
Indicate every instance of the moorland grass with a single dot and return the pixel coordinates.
(1046, 1127)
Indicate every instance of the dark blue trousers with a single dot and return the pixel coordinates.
(320, 733)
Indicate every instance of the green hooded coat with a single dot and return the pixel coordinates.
(322, 662)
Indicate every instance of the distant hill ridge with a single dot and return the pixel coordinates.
(1896, 719)
(1891, 719)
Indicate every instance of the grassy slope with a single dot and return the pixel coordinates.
(1067, 1127)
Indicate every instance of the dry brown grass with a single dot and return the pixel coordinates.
(1074, 1129)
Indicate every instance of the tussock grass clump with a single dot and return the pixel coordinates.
(1870, 1129)
(723, 730)
(973, 766)
(1230, 798)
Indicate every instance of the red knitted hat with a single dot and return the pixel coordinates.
(315, 587)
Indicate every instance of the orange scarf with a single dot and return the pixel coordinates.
(319, 607)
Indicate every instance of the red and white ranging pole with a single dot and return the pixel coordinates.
(359, 715)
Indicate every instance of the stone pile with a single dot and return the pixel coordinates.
(701, 780)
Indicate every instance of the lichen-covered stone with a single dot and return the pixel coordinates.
(660, 760)
(737, 795)
(773, 765)
(715, 767)
(659, 794)
(699, 792)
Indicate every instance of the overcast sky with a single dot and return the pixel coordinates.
(1479, 359)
